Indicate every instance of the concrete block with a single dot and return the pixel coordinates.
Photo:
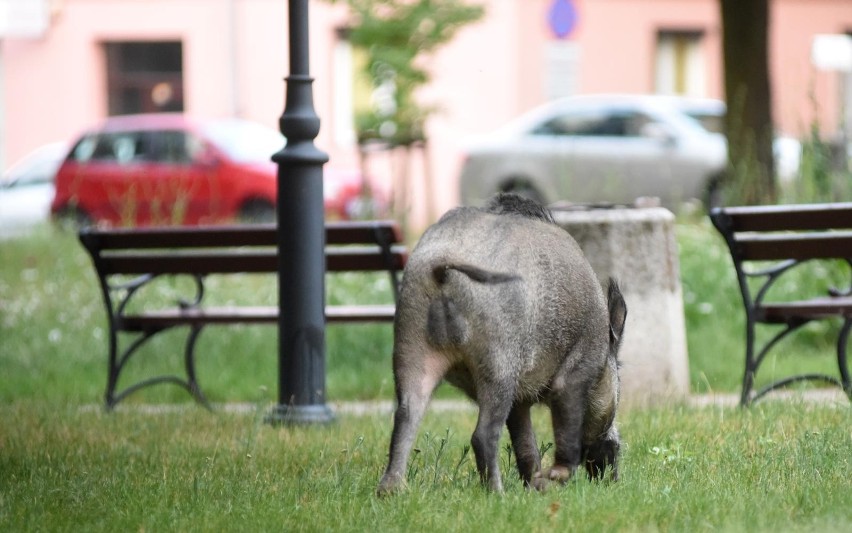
(637, 247)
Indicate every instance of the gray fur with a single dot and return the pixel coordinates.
(502, 303)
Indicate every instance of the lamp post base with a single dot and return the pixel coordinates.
(300, 414)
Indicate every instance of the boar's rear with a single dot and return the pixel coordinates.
(446, 323)
(502, 303)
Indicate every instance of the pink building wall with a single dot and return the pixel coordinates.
(235, 59)
(802, 93)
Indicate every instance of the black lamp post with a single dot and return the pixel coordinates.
(301, 243)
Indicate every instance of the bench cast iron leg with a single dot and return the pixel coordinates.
(113, 369)
(750, 363)
(116, 364)
(189, 363)
(845, 380)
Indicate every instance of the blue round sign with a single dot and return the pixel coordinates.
(562, 18)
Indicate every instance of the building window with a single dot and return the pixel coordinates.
(144, 77)
(680, 67)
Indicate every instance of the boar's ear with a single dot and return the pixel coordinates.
(617, 313)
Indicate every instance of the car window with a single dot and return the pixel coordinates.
(121, 147)
(178, 147)
(597, 123)
(712, 122)
(244, 141)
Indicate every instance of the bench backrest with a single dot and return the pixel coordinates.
(798, 232)
(350, 246)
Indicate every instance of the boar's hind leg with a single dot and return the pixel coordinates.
(523, 441)
(416, 378)
(567, 408)
(495, 403)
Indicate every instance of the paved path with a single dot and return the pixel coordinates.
(830, 396)
(826, 396)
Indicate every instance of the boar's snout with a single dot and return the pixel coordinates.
(605, 443)
(602, 454)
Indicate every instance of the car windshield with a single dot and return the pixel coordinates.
(712, 122)
(39, 166)
(244, 141)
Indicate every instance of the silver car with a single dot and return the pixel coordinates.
(27, 188)
(599, 149)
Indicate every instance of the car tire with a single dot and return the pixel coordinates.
(714, 196)
(257, 212)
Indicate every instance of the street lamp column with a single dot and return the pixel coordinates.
(301, 243)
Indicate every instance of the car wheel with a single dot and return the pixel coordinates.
(524, 190)
(714, 196)
(257, 212)
(71, 218)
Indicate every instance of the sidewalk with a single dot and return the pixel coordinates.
(828, 396)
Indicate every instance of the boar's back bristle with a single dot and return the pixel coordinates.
(513, 204)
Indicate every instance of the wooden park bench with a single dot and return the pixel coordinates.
(129, 260)
(766, 242)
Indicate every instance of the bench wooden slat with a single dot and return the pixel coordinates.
(788, 217)
(165, 318)
(360, 313)
(336, 233)
(817, 308)
(823, 245)
(355, 259)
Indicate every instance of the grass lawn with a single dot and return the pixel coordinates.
(67, 466)
(781, 466)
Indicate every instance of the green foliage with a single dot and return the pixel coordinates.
(821, 178)
(397, 35)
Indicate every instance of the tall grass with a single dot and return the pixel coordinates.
(823, 174)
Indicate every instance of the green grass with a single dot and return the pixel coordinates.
(779, 466)
(65, 465)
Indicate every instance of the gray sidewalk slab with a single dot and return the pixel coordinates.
(830, 396)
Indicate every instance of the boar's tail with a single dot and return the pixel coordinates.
(475, 273)
(446, 323)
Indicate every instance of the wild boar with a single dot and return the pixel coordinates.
(502, 303)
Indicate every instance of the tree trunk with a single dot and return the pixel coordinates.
(745, 29)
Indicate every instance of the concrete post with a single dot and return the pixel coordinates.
(638, 248)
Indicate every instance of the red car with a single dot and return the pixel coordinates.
(168, 169)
